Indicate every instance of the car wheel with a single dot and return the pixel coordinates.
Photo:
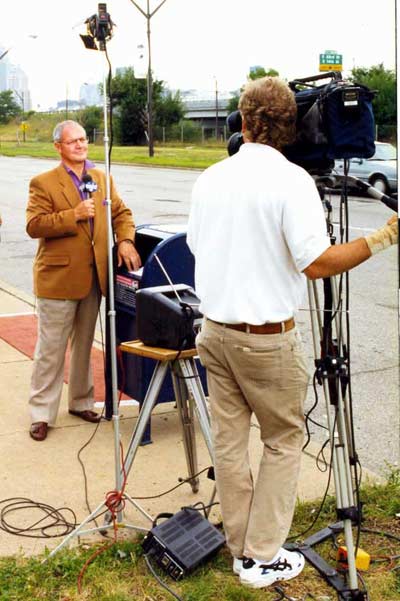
(380, 183)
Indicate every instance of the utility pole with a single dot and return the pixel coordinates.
(66, 102)
(216, 109)
(148, 16)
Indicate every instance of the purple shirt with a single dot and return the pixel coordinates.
(78, 183)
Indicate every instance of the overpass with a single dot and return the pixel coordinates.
(204, 111)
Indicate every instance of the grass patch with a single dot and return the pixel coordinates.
(189, 157)
(39, 135)
(121, 574)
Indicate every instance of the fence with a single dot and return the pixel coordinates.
(184, 132)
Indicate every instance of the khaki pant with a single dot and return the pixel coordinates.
(264, 375)
(60, 320)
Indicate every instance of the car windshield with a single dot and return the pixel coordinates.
(384, 152)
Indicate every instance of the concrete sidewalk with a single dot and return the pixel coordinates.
(49, 472)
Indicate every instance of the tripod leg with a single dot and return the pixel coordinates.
(185, 412)
(195, 389)
(332, 374)
(77, 530)
(149, 401)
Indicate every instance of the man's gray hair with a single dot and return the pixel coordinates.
(59, 128)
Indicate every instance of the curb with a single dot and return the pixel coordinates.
(19, 294)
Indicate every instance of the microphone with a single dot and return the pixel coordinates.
(88, 184)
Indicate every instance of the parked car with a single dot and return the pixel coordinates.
(380, 170)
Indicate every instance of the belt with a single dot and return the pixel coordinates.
(266, 328)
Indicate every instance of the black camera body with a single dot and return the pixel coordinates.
(334, 121)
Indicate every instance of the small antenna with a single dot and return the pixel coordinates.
(168, 278)
(172, 285)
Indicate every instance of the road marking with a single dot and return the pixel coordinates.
(16, 314)
(356, 228)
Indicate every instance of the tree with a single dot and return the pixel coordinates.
(168, 109)
(9, 108)
(258, 72)
(383, 81)
(91, 120)
(255, 73)
(233, 103)
(129, 97)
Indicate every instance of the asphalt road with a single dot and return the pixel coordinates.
(163, 196)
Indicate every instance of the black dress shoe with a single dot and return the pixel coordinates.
(87, 415)
(38, 431)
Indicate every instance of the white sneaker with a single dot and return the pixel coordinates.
(284, 566)
(237, 565)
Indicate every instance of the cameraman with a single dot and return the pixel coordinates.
(256, 226)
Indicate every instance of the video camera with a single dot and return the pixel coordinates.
(334, 121)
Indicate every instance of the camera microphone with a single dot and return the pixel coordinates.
(389, 201)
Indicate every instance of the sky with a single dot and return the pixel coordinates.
(195, 44)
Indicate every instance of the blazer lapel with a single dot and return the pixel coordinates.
(68, 188)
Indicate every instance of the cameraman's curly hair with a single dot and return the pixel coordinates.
(268, 109)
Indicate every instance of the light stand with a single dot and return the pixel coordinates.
(100, 28)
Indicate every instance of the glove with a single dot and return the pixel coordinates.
(384, 237)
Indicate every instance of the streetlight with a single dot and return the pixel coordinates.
(148, 16)
(33, 36)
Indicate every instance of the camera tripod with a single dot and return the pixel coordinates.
(332, 373)
(331, 335)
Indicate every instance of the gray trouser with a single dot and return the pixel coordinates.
(265, 375)
(60, 320)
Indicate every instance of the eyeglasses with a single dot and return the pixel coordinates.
(75, 141)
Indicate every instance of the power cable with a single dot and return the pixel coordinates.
(159, 580)
(52, 519)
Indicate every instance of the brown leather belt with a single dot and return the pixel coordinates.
(265, 328)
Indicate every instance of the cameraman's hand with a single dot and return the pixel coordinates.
(84, 210)
(384, 237)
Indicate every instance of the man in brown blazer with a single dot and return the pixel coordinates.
(70, 273)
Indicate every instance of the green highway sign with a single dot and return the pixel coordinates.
(330, 61)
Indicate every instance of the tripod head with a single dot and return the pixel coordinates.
(99, 29)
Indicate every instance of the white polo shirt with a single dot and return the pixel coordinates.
(256, 222)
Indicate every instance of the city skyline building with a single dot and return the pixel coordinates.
(89, 94)
(13, 77)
